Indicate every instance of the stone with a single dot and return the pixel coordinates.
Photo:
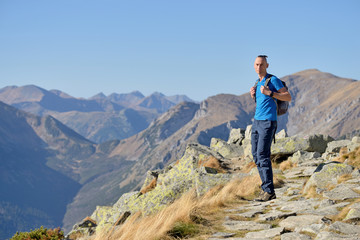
(233, 225)
(250, 214)
(290, 145)
(236, 136)
(294, 236)
(313, 228)
(335, 146)
(248, 132)
(281, 134)
(275, 214)
(299, 206)
(341, 192)
(355, 139)
(327, 174)
(225, 149)
(333, 236)
(270, 233)
(203, 181)
(332, 209)
(303, 156)
(296, 222)
(353, 215)
(223, 235)
(345, 228)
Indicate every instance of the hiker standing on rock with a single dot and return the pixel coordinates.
(265, 123)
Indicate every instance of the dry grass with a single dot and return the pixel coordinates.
(353, 158)
(149, 187)
(154, 226)
(287, 165)
(344, 178)
(212, 162)
(311, 193)
(342, 214)
(187, 212)
(248, 167)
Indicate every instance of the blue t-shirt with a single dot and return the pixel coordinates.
(265, 105)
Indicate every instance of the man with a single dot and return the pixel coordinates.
(265, 124)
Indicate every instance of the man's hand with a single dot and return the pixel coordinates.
(265, 90)
(252, 92)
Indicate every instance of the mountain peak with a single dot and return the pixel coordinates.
(100, 95)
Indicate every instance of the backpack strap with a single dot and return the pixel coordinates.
(255, 85)
(268, 80)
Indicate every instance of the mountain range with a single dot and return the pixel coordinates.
(43, 154)
(99, 118)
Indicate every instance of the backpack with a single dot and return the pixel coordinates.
(281, 106)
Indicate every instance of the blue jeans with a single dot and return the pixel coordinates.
(262, 134)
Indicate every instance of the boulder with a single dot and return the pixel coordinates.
(227, 150)
(295, 222)
(354, 213)
(356, 139)
(327, 173)
(290, 145)
(281, 134)
(236, 136)
(248, 132)
(335, 146)
(302, 156)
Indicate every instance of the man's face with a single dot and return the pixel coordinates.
(260, 65)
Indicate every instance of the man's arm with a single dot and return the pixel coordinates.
(283, 94)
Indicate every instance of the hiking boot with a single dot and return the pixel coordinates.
(265, 196)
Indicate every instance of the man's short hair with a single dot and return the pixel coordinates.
(262, 56)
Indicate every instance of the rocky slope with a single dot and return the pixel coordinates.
(310, 211)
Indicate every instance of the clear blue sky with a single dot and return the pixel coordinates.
(195, 47)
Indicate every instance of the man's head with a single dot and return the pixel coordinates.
(261, 65)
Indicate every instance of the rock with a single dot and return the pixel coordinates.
(205, 181)
(345, 228)
(353, 215)
(247, 148)
(341, 192)
(290, 145)
(84, 229)
(327, 174)
(313, 228)
(248, 132)
(335, 146)
(298, 222)
(236, 136)
(222, 235)
(333, 236)
(270, 233)
(281, 134)
(233, 225)
(299, 206)
(250, 214)
(225, 149)
(356, 139)
(332, 209)
(294, 236)
(303, 156)
(275, 214)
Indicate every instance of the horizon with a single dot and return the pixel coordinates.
(198, 49)
(155, 92)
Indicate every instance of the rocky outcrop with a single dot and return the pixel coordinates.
(202, 168)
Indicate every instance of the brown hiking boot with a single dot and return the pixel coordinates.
(265, 196)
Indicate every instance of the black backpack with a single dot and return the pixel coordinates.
(282, 106)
